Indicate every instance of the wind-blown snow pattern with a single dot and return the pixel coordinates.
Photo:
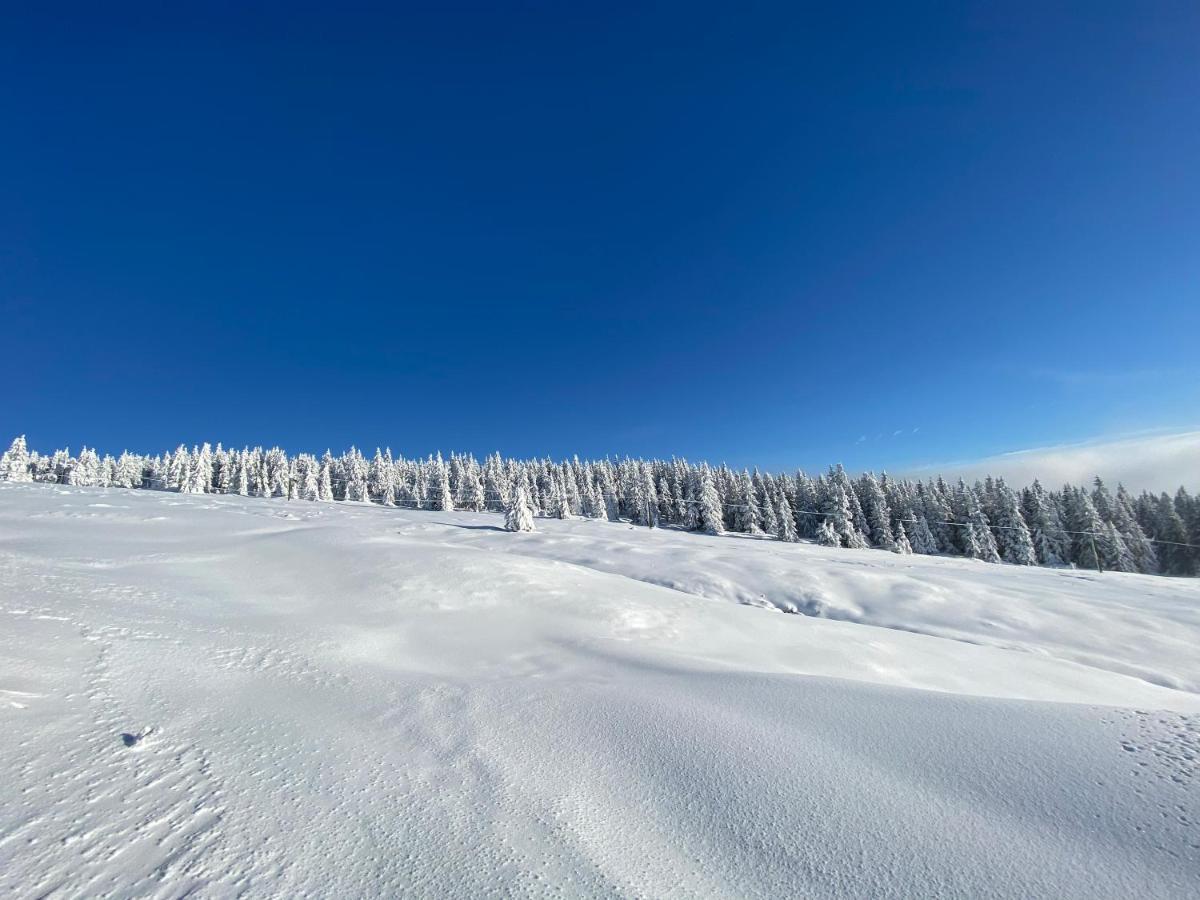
(224, 696)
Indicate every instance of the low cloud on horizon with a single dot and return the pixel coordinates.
(1157, 462)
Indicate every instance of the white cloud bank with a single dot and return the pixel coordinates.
(1158, 462)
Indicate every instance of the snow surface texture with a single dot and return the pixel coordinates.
(233, 696)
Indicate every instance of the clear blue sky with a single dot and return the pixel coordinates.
(754, 233)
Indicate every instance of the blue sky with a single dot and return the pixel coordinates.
(754, 233)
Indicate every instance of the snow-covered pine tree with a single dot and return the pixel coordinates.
(923, 540)
(440, 496)
(241, 472)
(1012, 535)
(841, 516)
(787, 521)
(901, 540)
(827, 534)
(560, 507)
(1132, 533)
(473, 498)
(193, 480)
(83, 473)
(179, 465)
(1115, 551)
(806, 505)
(711, 512)
(1171, 530)
(14, 465)
(381, 478)
(517, 516)
(1088, 528)
(746, 514)
(203, 461)
(769, 508)
(129, 471)
(1050, 542)
(877, 513)
(978, 541)
(325, 480)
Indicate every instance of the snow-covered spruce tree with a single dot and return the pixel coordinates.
(129, 471)
(827, 535)
(517, 516)
(241, 473)
(711, 513)
(594, 506)
(85, 472)
(877, 513)
(193, 479)
(901, 540)
(1050, 542)
(496, 483)
(308, 477)
(202, 463)
(325, 481)
(768, 506)
(1170, 528)
(1087, 526)
(14, 464)
(560, 508)
(381, 478)
(978, 541)
(570, 489)
(840, 516)
(787, 522)
(1115, 551)
(806, 505)
(939, 514)
(1125, 519)
(1012, 535)
(746, 514)
(178, 467)
(473, 498)
(108, 472)
(440, 496)
(923, 540)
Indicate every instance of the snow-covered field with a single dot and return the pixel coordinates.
(342, 700)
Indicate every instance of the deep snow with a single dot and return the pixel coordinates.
(346, 700)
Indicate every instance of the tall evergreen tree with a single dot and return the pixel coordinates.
(711, 513)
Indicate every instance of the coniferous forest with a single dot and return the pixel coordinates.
(1090, 527)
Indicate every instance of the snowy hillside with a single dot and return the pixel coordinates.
(229, 695)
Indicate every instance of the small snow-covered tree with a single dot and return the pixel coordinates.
(14, 464)
(900, 543)
(518, 516)
(827, 535)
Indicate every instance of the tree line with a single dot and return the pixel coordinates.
(1088, 527)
